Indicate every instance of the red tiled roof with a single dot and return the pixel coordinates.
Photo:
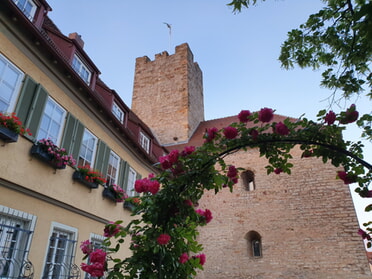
(197, 137)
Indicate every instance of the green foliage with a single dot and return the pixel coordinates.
(163, 236)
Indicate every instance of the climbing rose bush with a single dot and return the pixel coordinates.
(162, 236)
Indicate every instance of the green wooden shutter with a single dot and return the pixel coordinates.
(77, 139)
(68, 133)
(123, 174)
(36, 110)
(102, 157)
(26, 96)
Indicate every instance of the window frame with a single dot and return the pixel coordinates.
(118, 112)
(62, 124)
(73, 233)
(94, 151)
(130, 184)
(83, 66)
(117, 167)
(28, 222)
(248, 180)
(32, 13)
(17, 88)
(145, 142)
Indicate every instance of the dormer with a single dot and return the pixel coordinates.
(144, 141)
(81, 69)
(118, 112)
(34, 10)
(28, 7)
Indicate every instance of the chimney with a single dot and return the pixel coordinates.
(75, 36)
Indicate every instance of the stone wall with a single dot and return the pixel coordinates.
(168, 94)
(306, 221)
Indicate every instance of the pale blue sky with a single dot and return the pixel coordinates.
(237, 52)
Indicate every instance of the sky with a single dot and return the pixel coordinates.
(237, 53)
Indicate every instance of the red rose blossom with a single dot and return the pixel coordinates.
(330, 118)
(281, 129)
(230, 132)
(95, 269)
(265, 115)
(210, 134)
(183, 258)
(350, 115)
(244, 116)
(97, 256)
(201, 257)
(346, 177)
(163, 239)
(278, 170)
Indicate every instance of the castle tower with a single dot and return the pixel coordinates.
(168, 94)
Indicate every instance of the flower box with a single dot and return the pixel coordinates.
(7, 135)
(38, 152)
(78, 176)
(107, 193)
(129, 205)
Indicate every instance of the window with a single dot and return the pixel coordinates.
(28, 7)
(254, 244)
(16, 230)
(52, 122)
(131, 180)
(81, 69)
(61, 251)
(10, 82)
(113, 169)
(97, 243)
(119, 114)
(87, 149)
(248, 180)
(145, 142)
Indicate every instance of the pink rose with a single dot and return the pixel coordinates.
(211, 134)
(349, 116)
(346, 177)
(188, 150)
(183, 258)
(232, 172)
(163, 239)
(97, 256)
(206, 214)
(330, 118)
(94, 269)
(278, 170)
(244, 116)
(111, 229)
(86, 247)
(281, 129)
(153, 186)
(230, 132)
(201, 258)
(265, 115)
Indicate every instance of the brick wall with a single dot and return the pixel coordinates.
(306, 220)
(168, 94)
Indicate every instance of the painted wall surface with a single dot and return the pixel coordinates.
(31, 186)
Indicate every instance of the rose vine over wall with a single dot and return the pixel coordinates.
(163, 236)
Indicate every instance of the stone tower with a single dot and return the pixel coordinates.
(168, 95)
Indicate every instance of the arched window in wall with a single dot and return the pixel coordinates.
(248, 180)
(254, 244)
